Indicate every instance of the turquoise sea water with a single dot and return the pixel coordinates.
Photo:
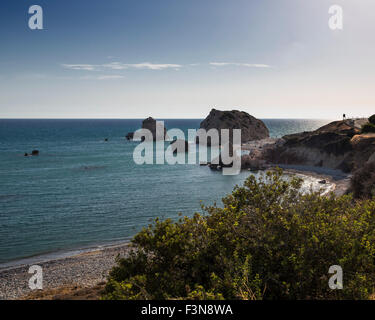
(82, 191)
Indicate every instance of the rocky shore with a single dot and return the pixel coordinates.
(337, 181)
(78, 276)
(330, 154)
(338, 145)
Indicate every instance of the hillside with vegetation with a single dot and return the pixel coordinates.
(267, 241)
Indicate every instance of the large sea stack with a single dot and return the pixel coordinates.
(251, 128)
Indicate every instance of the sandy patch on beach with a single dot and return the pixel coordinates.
(338, 182)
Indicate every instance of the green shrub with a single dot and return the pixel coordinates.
(372, 119)
(269, 241)
(368, 127)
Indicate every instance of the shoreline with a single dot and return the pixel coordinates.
(334, 177)
(339, 180)
(83, 270)
(59, 254)
(82, 273)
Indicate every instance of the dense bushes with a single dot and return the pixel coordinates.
(269, 241)
(370, 126)
(363, 181)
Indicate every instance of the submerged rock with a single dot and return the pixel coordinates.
(130, 136)
(204, 163)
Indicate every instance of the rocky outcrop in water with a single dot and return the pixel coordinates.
(151, 124)
(251, 128)
(130, 136)
(33, 153)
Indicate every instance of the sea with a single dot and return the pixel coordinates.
(84, 192)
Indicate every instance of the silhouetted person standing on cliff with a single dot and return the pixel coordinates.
(344, 116)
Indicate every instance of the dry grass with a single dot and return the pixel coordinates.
(73, 292)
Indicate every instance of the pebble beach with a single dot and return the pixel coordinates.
(84, 270)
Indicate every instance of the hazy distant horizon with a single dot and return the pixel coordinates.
(158, 118)
(176, 59)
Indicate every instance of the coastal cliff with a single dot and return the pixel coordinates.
(337, 145)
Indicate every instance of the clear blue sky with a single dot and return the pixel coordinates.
(180, 58)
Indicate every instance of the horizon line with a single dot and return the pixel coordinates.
(156, 118)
